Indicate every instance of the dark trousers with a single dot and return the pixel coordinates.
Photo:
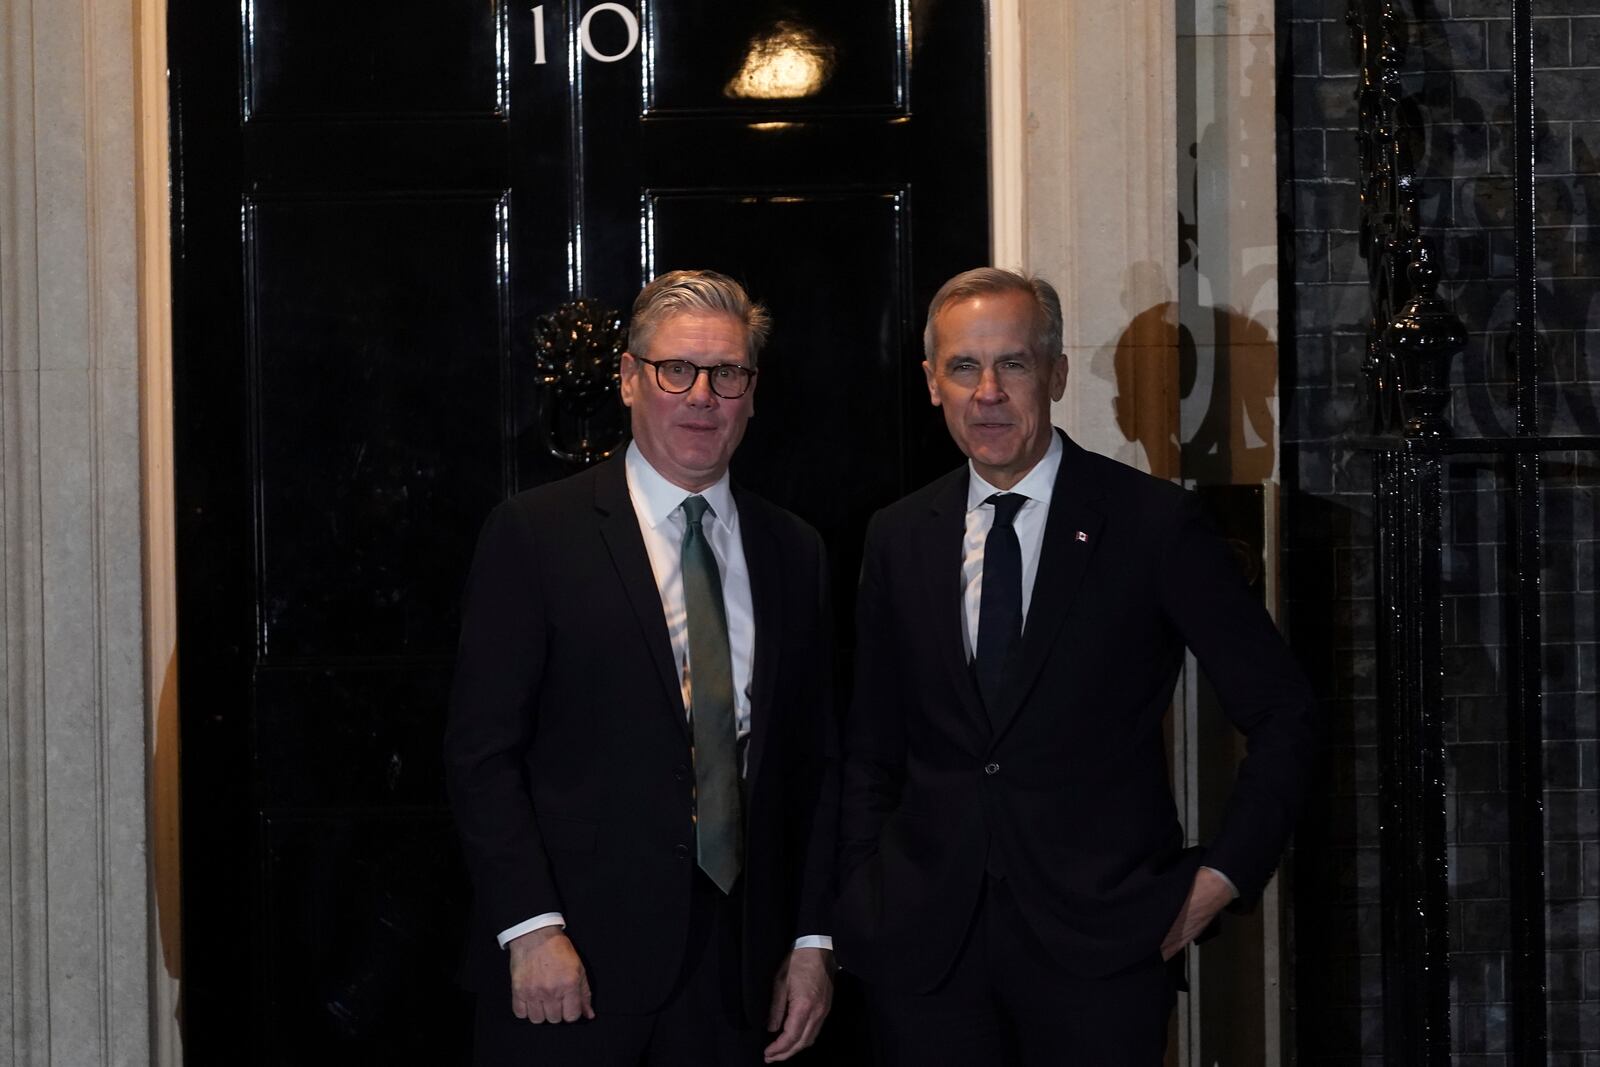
(701, 1025)
(1007, 1002)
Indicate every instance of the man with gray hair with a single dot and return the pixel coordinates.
(1014, 883)
(640, 747)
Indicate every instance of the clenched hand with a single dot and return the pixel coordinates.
(548, 984)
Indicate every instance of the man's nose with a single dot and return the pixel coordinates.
(700, 392)
(989, 388)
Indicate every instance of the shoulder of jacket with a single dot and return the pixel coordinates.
(1130, 484)
(780, 520)
(919, 502)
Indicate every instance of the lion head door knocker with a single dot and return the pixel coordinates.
(577, 362)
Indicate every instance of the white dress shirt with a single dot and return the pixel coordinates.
(658, 505)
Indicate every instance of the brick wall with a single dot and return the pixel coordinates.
(1458, 95)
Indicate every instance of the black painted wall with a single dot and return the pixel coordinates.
(1457, 113)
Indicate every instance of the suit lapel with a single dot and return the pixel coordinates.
(619, 529)
(763, 559)
(942, 535)
(1071, 535)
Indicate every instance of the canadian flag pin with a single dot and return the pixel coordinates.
(1083, 536)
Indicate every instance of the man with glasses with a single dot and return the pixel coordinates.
(640, 751)
(1014, 880)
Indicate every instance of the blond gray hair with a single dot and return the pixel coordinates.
(701, 292)
(982, 281)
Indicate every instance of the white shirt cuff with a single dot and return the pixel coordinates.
(538, 922)
(1231, 887)
(814, 941)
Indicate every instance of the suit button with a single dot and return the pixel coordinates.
(681, 773)
(681, 851)
(991, 768)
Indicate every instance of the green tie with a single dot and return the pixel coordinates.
(716, 771)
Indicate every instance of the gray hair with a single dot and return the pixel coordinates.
(982, 281)
(701, 292)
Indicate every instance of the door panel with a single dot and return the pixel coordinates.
(379, 335)
(834, 270)
(374, 205)
(375, 730)
(311, 58)
(359, 948)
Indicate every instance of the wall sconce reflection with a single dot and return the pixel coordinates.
(787, 62)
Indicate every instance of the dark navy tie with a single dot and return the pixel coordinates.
(1000, 606)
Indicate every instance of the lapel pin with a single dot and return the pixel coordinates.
(1083, 536)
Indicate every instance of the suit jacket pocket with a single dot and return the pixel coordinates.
(567, 834)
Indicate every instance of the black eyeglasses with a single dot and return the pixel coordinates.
(730, 381)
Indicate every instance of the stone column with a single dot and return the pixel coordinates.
(74, 945)
(1099, 214)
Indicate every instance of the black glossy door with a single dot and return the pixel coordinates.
(374, 203)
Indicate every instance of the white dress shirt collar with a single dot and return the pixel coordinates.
(1038, 484)
(660, 497)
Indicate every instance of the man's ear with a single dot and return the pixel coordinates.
(1058, 377)
(629, 372)
(933, 385)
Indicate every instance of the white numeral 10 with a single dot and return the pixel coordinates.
(628, 19)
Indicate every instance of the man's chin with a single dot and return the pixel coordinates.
(996, 458)
(701, 470)
(1001, 441)
(699, 446)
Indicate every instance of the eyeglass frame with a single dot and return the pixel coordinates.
(655, 364)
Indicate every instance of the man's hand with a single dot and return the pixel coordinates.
(802, 993)
(548, 984)
(1208, 896)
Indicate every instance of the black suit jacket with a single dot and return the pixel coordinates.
(1072, 788)
(568, 751)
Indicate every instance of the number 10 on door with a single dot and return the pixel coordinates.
(629, 22)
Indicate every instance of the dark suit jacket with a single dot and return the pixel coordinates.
(1072, 788)
(568, 750)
